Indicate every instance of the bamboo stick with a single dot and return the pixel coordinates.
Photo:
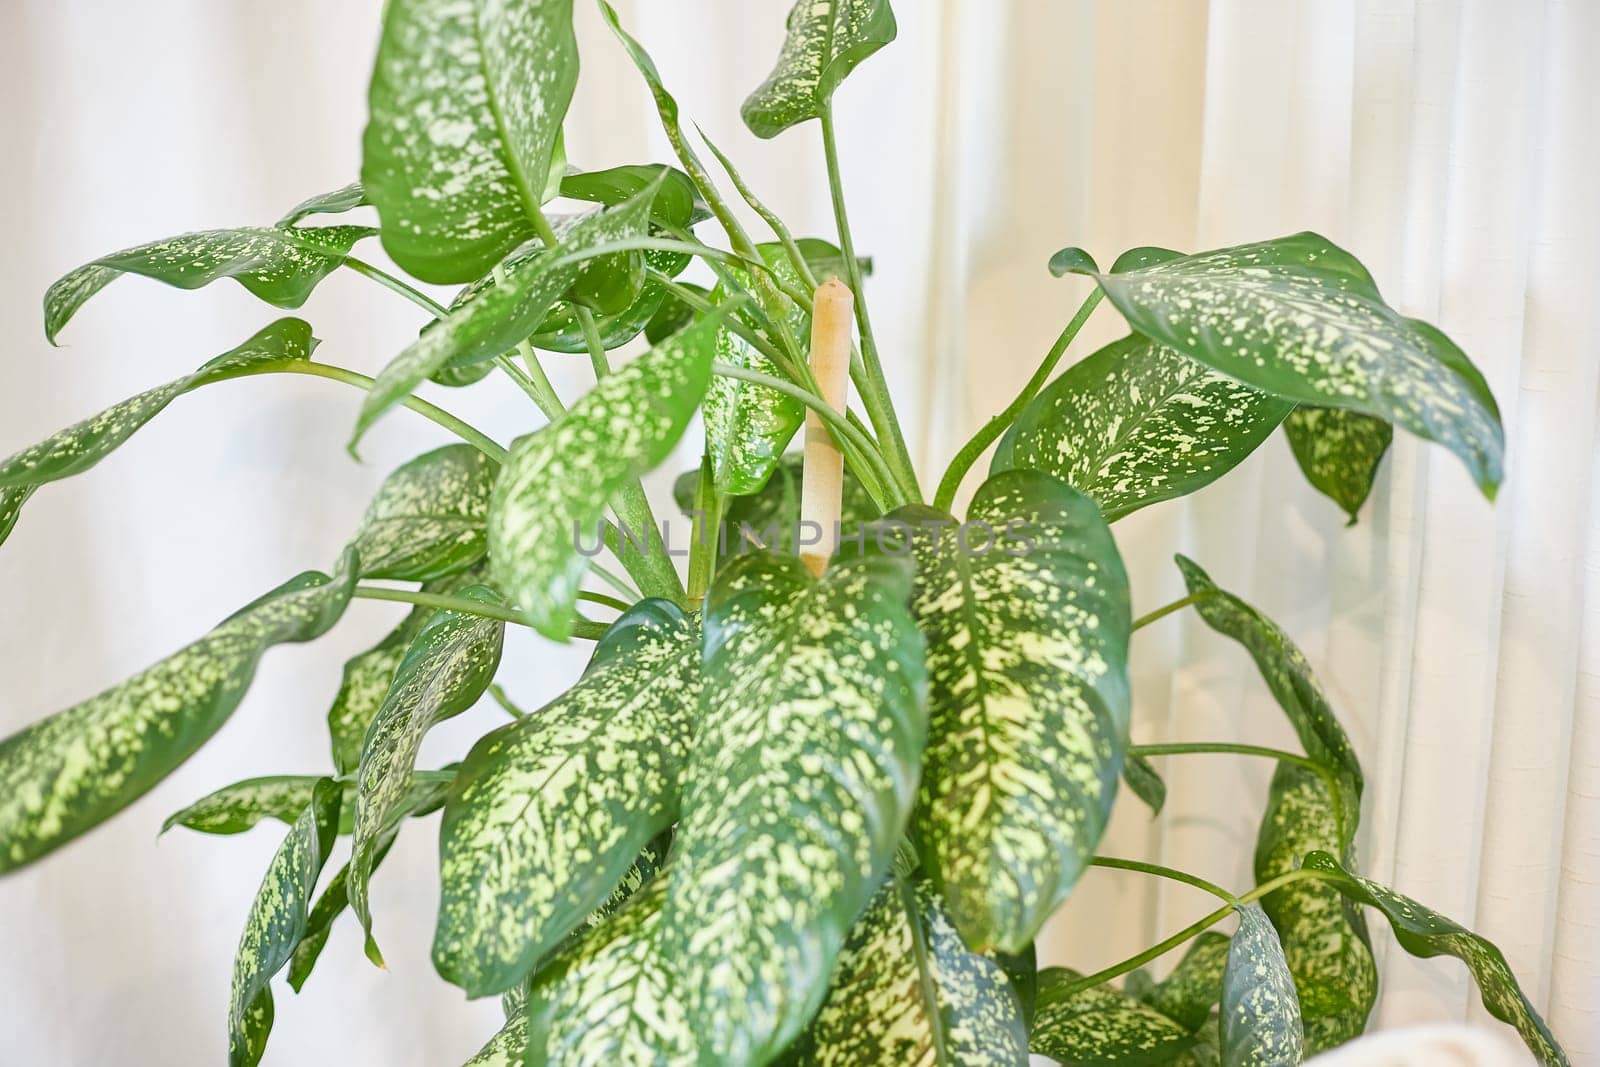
(822, 484)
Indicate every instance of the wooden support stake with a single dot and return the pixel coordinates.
(822, 484)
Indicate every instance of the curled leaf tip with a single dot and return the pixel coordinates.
(1073, 260)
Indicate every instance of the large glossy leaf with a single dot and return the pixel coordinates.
(749, 425)
(549, 812)
(450, 663)
(770, 518)
(826, 40)
(65, 774)
(1423, 932)
(907, 992)
(1101, 1026)
(562, 329)
(466, 106)
(1301, 318)
(1137, 423)
(428, 519)
(553, 489)
(77, 448)
(1260, 1011)
(798, 787)
(1194, 987)
(497, 315)
(677, 204)
(426, 795)
(1026, 613)
(1339, 451)
(276, 922)
(796, 793)
(1326, 943)
(279, 264)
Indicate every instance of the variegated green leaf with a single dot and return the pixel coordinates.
(770, 519)
(426, 795)
(1026, 612)
(550, 811)
(450, 663)
(337, 202)
(1260, 1017)
(1194, 987)
(826, 40)
(367, 676)
(1144, 782)
(748, 425)
(1339, 452)
(11, 500)
(1324, 940)
(77, 448)
(428, 519)
(1423, 932)
(799, 785)
(1137, 423)
(235, 808)
(1326, 943)
(504, 310)
(1101, 1026)
(466, 105)
(66, 774)
(276, 922)
(554, 487)
(1300, 318)
(907, 992)
(279, 264)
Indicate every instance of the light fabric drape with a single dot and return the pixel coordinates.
(1452, 145)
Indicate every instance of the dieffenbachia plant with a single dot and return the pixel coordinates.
(781, 817)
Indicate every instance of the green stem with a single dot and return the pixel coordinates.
(1167, 609)
(1133, 963)
(592, 339)
(466, 431)
(708, 508)
(873, 386)
(770, 217)
(584, 628)
(390, 282)
(1171, 873)
(951, 482)
(616, 581)
(1224, 748)
(603, 599)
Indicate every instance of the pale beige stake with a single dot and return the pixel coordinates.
(822, 486)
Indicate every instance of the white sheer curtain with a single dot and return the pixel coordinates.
(1450, 144)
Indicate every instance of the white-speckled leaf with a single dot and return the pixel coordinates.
(799, 786)
(1260, 1017)
(1423, 932)
(1136, 423)
(466, 106)
(428, 519)
(65, 774)
(1339, 452)
(907, 992)
(501, 312)
(1027, 617)
(748, 425)
(337, 202)
(425, 796)
(826, 40)
(79, 447)
(11, 500)
(554, 487)
(276, 922)
(550, 811)
(1101, 1026)
(1301, 318)
(770, 518)
(235, 808)
(279, 264)
(448, 666)
(1194, 987)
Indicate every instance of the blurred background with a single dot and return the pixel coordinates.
(1451, 145)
